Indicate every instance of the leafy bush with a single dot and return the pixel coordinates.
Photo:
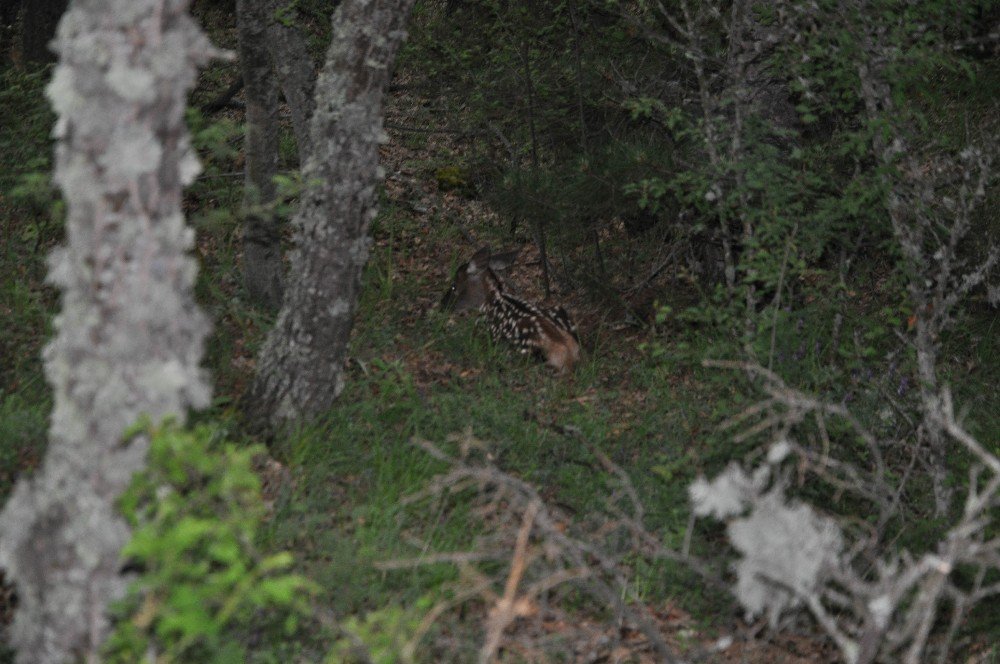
(196, 512)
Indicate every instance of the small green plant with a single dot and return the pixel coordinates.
(384, 636)
(450, 177)
(196, 512)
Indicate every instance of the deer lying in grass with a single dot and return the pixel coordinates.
(548, 332)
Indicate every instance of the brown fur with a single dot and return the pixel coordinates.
(560, 349)
(549, 332)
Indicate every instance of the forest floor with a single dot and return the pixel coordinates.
(417, 372)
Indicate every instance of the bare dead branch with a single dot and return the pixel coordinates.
(516, 515)
(508, 607)
(888, 606)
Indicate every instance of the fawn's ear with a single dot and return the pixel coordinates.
(479, 261)
(504, 260)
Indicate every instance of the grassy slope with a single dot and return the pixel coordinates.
(415, 372)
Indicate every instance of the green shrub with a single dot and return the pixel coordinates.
(196, 512)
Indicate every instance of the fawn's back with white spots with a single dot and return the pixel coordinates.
(547, 331)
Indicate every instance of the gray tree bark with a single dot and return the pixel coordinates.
(262, 266)
(272, 56)
(296, 74)
(129, 336)
(300, 368)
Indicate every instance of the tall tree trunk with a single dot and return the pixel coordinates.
(300, 370)
(273, 55)
(38, 26)
(296, 74)
(262, 266)
(129, 336)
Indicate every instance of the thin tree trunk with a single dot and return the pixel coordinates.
(539, 224)
(931, 312)
(38, 27)
(930, 427)
(296, 75)
(129, 337)
(262, 265)
(9, 10)
(300, 368)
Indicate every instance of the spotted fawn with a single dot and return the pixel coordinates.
(547, 332)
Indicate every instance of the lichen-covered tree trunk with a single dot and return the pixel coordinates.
(262, 265)
(300, 368)
(129, 336)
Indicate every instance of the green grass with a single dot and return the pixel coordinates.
(30, 225)
(23, 428)
(354, 468)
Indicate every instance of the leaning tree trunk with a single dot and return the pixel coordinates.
(262, 265)
(300, 370)
(129, 336)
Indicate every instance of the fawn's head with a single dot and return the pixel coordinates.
(474, 281)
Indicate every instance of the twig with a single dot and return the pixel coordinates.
(457, 557)
(225, 98)
(507, 608)
(777, 297)
(432, 130)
